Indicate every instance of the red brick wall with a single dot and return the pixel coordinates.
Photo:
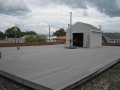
(111, 44)
(28, 44)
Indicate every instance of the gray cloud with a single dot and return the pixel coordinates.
(13, 7)
(85, 13)
(73, 3)
(18, 7)
(70, 3)
(109, 7)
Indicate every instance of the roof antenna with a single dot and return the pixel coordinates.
(100, 27)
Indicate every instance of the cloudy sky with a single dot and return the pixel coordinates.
(37, 15)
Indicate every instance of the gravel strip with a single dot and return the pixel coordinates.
(107, 80)
(7, 84)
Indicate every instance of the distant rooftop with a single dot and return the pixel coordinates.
(112, 35)
(61, 38)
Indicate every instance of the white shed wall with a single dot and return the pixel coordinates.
(96, 39)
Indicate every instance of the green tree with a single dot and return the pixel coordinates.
(60, 32)
(30, 39)
(22, 33)
(2, 35)
(30, 33)
(40, 39)
(10, 32)
(35, 39)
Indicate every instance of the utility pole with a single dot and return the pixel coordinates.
(15, 32)
(49, 33)
(16, 25)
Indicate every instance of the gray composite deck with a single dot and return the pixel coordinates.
(54, 67)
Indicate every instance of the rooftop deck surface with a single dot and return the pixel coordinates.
(54, 67)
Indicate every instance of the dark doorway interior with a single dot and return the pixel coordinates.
(78, 39)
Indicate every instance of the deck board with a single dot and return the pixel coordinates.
(54, 67)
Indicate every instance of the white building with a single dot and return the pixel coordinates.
(84, 35)
(51, 38)
(13, 40)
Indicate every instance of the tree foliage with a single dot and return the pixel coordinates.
(2, 35)
(40, 39)
(30, 39)
(10, 32)
(60, 32)
(22, 33)
(35, 39)
(30, 33)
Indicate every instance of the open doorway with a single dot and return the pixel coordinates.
(78, 39)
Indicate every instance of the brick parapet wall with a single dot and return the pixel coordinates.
(29, 44)
(111, 44)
